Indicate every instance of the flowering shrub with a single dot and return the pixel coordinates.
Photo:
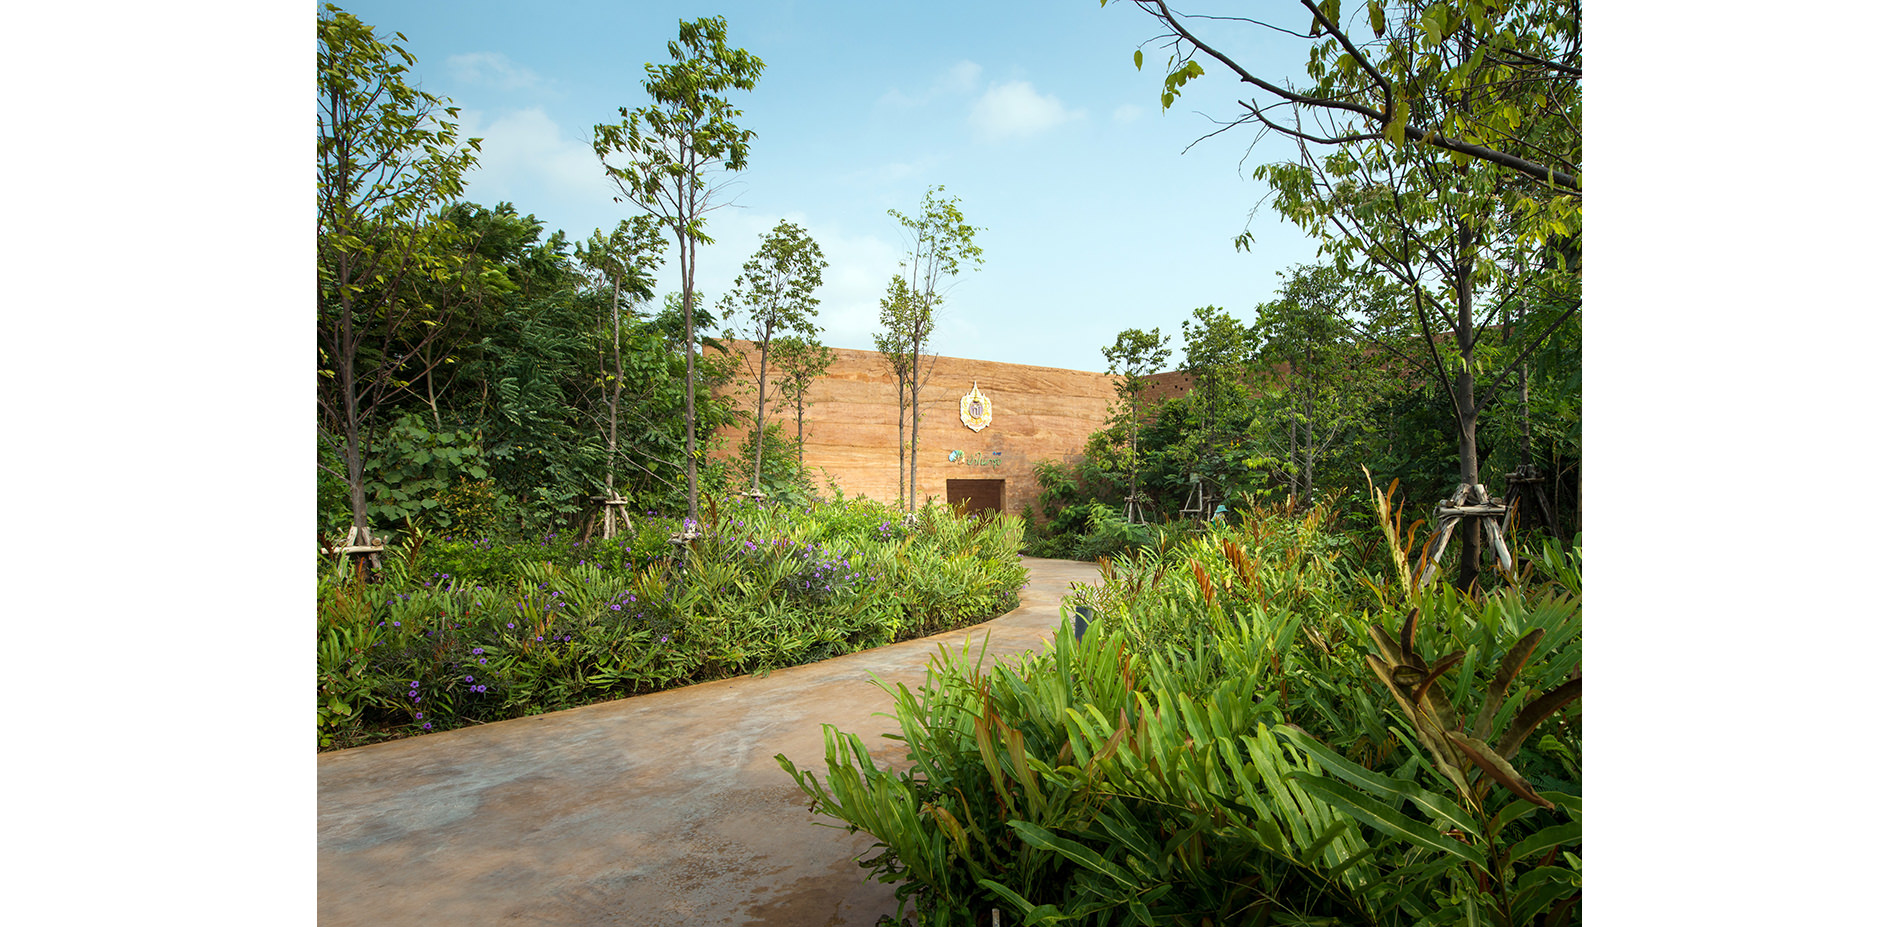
(475, 629)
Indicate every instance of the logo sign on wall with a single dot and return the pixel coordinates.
(976, 409)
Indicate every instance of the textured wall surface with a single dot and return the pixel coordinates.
(851, 423)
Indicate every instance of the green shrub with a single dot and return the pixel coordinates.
(473, 629)
(1230, 744)
(410, 464)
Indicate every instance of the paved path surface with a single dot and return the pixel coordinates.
(661, 809)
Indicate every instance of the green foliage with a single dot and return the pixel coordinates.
(411, 466)
(1082, 516)
(781, 478)
(775, 289)
(941, 244)
(1215, 750)
(469, 507)
(801, 361)
(388, 271)
(1494, 84)
(471, 629)
(658, 156)
(1133, 357)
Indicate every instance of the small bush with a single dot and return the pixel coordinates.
(472, 629)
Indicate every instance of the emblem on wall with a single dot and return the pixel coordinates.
(976, 409)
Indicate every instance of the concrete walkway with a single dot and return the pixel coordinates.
(662, 809)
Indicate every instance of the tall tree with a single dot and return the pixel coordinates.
(387, 160)
(1328, 380)
(1439, 144)
(668, 147)
(1134, 357)
(801, 361)
(775, 290)
(622, 264)
(941, 244)
(898, 314)
(1503, 71)
(1444, 233)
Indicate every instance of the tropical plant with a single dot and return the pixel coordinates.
(1214, 750)
(775, 289)
(387, 159)
(623, 265)
(1134, 357)
(801, 362)
(468, 629)
(665, 150)
(941, 244)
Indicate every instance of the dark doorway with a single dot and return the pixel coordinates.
(976, 496)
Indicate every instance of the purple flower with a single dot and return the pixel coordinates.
(427, 726)
(468, 679)
(478, 651)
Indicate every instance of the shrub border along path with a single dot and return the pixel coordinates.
(660, 809)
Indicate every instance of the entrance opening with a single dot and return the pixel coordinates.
(985, 496)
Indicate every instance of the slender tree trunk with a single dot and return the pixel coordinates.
(758, 428)
(613, 415)
(1524, 408)
(1307, 454)
(343, 219)
(353, 423)
(1464, 400)
(353, 448)
(1293, 451)
(688, 257)
(901, 448)
(428, 387)
(916, 423)
(1134, 441)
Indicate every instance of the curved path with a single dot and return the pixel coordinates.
(660, 809)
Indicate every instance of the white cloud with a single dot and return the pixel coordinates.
(495, 70)
(961, 78)
(895, 171)
(958, 79)
(860, 268)
(857, 270)
(1015, 109)
(1128, 112)
(524, 153)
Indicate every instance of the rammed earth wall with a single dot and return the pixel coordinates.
(851, 423)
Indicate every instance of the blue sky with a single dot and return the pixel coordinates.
(1033, 114)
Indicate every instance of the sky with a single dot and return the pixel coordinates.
(157, 347)
(1033, 115)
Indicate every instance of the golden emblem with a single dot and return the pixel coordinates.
(976, 409)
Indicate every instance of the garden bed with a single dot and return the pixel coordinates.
(463, 631)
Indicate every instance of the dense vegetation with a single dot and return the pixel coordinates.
(471, 629)
(1438, 169)
(479, 375)
(1291, 406)
(1261, 726)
